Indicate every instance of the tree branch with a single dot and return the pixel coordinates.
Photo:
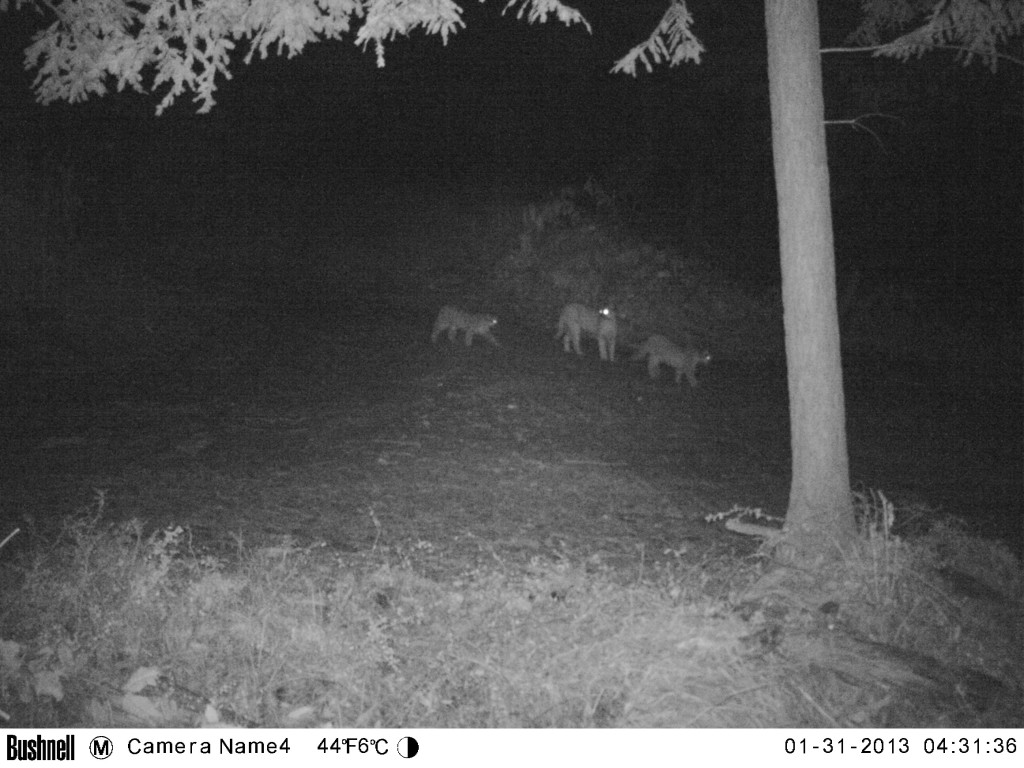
(857, 123)
(876, 48)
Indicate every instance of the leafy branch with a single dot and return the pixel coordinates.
(973, 28)
(672, 41)
(180, 46)
(541, 10)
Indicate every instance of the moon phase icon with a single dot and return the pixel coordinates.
(408, 746)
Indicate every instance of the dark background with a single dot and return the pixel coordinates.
(933, 195)
(311, 159)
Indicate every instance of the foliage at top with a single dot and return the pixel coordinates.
(974, 28)
(672, 41)
(183, 45)
(176, 46)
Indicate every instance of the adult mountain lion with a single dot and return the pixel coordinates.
(453, 320)
(659, 350)
(577, 319)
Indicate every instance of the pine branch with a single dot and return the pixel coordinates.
(971, 27)
(672, 41)
(881, 50)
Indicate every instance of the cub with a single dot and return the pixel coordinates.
(657, 349)
(454, 320)
(577, 319)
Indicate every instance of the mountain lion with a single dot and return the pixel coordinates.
(577, 319)
(657, 349)
(454, 320)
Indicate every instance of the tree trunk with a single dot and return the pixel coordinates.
(819, 520)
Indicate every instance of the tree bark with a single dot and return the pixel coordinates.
(819, 520)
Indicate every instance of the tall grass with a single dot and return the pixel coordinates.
(112, 625)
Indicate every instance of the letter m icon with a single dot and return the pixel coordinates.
(101, 747)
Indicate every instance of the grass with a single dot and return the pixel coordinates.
(113, 625)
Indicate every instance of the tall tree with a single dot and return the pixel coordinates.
(820, 516)
(819, 520)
